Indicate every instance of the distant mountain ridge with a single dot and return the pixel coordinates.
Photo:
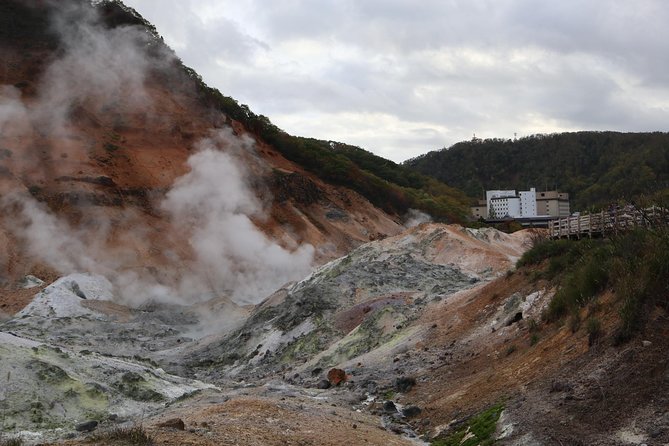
(596, 168)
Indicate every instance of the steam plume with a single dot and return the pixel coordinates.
(213, 203)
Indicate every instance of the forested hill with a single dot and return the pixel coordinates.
(596, 168)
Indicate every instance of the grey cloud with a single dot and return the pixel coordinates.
(590, 63)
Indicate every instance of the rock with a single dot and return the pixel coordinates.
(371, 387)
(355, 398)
(323, 384)
(515, 319)
(405, 383)
(86, 426)
(646, 343)
(337, 214)
(389, 407)
(396, 428)
(297, 187)
(77, 290)
(30, 282)
(336, 376)
(411, 411)
(173, 423)
(558, 386)
(656, 432)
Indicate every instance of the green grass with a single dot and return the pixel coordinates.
(534, 339)
(635, 265)
(479, 430)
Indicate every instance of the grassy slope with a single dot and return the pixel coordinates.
(635, 266)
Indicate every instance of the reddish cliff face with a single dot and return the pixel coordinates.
(98, 122)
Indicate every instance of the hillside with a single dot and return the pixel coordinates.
(118, 159)
(595, 168)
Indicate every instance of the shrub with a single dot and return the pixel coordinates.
(478, 429)
(635, 265)
(581, 280)
(534, 339)
(543, 250)
(135, 435)
(594, 329)
(111, 147)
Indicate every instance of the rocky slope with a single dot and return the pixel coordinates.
(363, 301)
(412, 338)
(75, 354)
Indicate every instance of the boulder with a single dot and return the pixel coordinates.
(336, 376)
(86, 426)
(173, 423)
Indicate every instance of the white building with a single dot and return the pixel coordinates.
(506, 203)
(528, 203)
(502, 203)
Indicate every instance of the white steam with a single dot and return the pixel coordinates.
(49, 238)
(414, 217)
(212, 205)
(214, 200)
(107, 64)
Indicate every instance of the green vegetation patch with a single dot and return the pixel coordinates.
(111, 147)
(477, 431)
(635, 265)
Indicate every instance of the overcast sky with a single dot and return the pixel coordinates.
(402, 77)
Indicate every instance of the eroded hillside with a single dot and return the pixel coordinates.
(111, 161)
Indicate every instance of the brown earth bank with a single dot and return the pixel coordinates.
(256, 420)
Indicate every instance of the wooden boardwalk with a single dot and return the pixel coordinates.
(606, 222)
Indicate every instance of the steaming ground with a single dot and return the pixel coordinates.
(428, 327)
(91, 358)
(212, 205)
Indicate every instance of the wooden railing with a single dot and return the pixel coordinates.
(607, 222)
